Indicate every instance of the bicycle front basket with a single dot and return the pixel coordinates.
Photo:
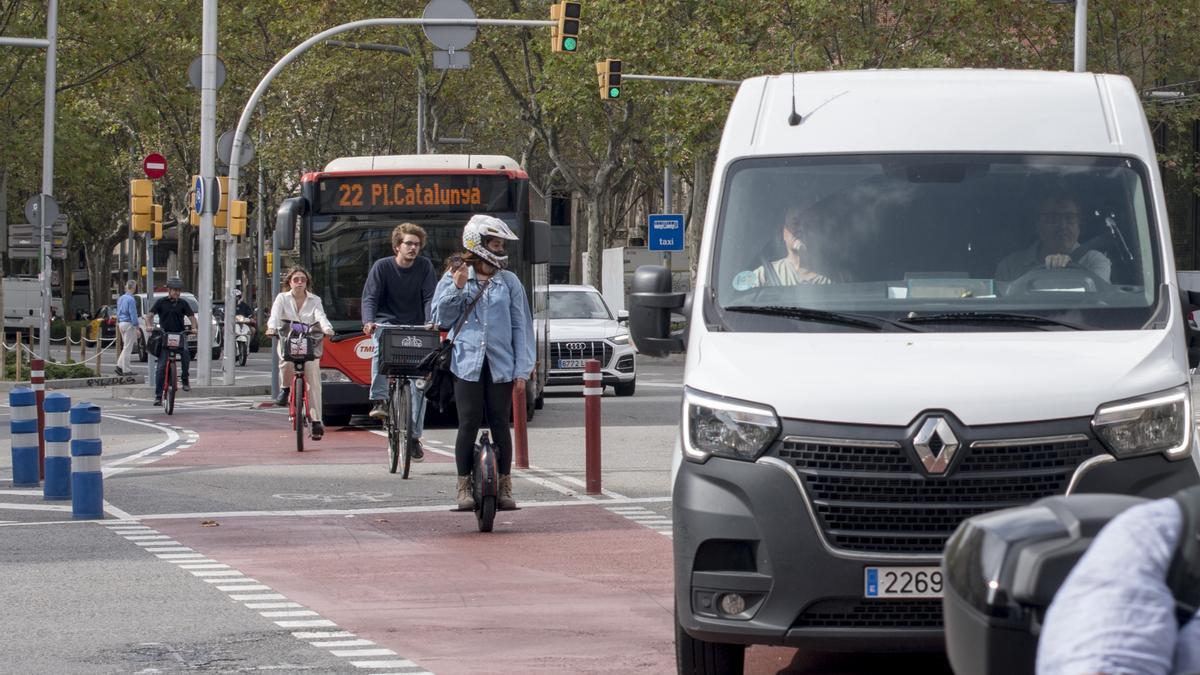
(401, 349)
(174, 340)
(303, 348)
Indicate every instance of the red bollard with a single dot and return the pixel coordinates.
(593, 389)
(37, 380)
(520, 431)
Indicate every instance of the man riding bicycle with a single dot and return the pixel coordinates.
(398, 292)
(171, 312)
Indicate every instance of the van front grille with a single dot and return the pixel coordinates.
(874, 497)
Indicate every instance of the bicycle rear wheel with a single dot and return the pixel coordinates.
(393, 431)
(300, 417)
(170, 378)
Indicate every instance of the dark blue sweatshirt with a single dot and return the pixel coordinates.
(398, 295)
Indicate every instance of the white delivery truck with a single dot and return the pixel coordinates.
(921, 295)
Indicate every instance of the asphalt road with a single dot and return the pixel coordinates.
(225, 550)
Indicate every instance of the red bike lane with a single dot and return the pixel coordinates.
(554, 589)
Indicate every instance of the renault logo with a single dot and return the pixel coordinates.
(935, 444)
(575, 346)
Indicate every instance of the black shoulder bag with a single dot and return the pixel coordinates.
(439, 383)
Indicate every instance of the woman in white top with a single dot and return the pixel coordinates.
(300, 306)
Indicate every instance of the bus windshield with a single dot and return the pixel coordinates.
(344, 247)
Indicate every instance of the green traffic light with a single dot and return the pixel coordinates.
(570, 44)
(614, 92)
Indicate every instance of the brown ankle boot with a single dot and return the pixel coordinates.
(465, 501)
(505, 501)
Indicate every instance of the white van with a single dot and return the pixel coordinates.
(921, 295)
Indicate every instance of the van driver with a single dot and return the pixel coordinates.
(1058, 220)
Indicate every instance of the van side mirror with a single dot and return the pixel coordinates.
(537, 242)
(652, 303)
(285, 222)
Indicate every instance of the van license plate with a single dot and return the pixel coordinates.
(903, 582)
(571, 363)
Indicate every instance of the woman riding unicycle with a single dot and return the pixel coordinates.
(493, 355)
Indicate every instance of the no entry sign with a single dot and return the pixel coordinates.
(155, 166)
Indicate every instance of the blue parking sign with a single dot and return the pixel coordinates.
(664, 231)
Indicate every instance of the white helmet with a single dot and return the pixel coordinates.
(478, 229)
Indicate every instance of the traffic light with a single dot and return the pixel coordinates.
(157, 220)
(564, 34)
(608, 72)
(221, 219)
(270, 260)
(237, 213)
(141, 198)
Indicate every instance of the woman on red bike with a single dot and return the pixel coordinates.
(300, 306)
(493, 350)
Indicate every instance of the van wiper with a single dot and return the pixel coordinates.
(859, 320)
(991, 317)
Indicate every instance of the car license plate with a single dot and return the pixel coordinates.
(903, 582)
(571, 363)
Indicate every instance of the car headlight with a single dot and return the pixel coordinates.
(622, 339)
(726, 428)
(1148, 424)
(333, 375)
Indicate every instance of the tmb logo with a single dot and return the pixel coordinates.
(365, 349)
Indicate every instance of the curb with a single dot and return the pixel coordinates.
(141, 391)
(77, 382)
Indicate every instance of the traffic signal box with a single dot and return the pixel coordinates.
(141, 207)
(564, 35)
(237, 223)
(270, 260)
(608, 72)
(157, 220)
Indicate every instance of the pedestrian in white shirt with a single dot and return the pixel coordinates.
(300, 306)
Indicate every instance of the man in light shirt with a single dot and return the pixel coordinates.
(127, 322)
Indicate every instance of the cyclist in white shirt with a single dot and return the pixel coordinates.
(298, 305)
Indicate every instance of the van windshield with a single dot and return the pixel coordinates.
(936, 243)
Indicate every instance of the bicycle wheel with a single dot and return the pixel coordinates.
(393, 431)
(402, 411)
(300, 418)
(170, 384)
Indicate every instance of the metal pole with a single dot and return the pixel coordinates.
(208, 169)
(420, 112)
(1081, 36)
(48, 170)
(666, 256)
(230, 303)
(672, 78)
(153, 363)
(274, 292)
(259, 226)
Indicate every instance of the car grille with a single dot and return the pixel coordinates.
(875, 500)
(580, 349)
(867, 613)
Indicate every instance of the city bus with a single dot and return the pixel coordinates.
(343, 220)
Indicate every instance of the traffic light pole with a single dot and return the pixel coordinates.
(670, 78)
(244, 120)
(153, 364)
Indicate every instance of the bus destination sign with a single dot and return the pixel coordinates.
(429, 193)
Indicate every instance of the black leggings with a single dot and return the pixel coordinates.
(469, 397)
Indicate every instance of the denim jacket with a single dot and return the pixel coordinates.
(500, 326)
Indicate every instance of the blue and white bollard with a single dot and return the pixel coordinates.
(58, 448)
(87, 481)
(24, 429)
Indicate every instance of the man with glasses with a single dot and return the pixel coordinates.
(398, 291)
(1058, 219)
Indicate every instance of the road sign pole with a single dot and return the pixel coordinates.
(48, 113)
(667, 207)
(208, 166)
(153, 364)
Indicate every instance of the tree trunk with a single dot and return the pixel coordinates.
(594, 244)
(695, 225)
(99, 261)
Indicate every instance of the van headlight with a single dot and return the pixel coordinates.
(1148, 424)
(725, 428)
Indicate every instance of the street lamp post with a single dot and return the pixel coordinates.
(1080, 32)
